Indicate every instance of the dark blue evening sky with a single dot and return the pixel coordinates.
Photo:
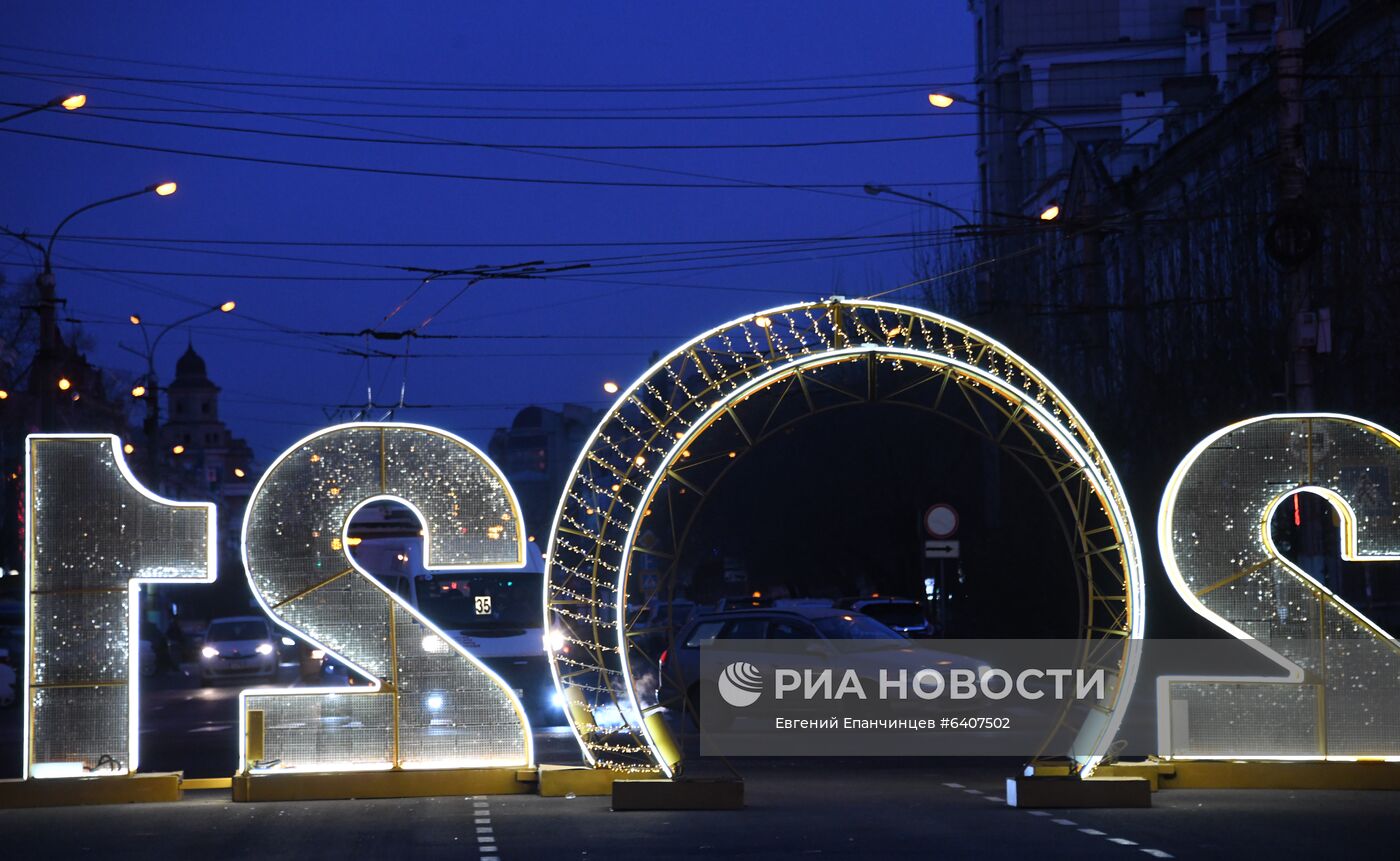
(234, 62)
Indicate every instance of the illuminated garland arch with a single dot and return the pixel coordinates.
(675, 432)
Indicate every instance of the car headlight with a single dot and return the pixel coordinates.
(288, 641)
(209, 652)
(264, 648)
(317, 654)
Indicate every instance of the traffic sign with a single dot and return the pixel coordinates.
(942, 549)
(941, 520)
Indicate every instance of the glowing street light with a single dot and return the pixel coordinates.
(179, 449)
(128, 448)
(610, 387)
(68, 103)
(135, 320)
(941, 100)
(228, 306)
(64, 384)
(1051, 212)
(138, 391)
(164, 189)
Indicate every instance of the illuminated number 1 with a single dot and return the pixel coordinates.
(1336, 694)
(430, 703)
(95, 534)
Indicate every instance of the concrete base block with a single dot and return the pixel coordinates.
(1065, 792)
(694, 794)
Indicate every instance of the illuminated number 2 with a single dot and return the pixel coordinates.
(95, 534)
(431, 704)
(1338, 695)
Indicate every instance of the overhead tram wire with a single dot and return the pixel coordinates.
(795, 246)
(741, 183)
(110, 59)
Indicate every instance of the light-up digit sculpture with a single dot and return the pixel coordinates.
(1337, 692)
(430, 704)
(95, 534)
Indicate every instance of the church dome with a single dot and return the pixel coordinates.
(190, 371)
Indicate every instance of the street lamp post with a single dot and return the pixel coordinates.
(151, 390)
(943, 100)
(874, 190)
(68, 103)
(43, 360)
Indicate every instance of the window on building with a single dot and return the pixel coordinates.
(206, 408)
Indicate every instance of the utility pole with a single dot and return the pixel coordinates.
(1291, 180)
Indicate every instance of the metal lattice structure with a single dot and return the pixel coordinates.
(673, 435)
(1337, 688)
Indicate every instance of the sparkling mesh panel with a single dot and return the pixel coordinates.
(450, 711)
(80, 637)
(81, 725)
(351, 616)
(326, 731)
(448, 715)
(1217, 524)
(92, 533)
(456, 483)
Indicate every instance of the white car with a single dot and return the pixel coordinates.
(238, 647)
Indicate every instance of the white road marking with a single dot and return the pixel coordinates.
(1122, 841)
(1039, 812)
(973, 791)
(1157, 853)
(953, 785)
(1063, 821)
(1092, 832)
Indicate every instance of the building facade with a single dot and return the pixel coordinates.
(200, 458)
(537, 453)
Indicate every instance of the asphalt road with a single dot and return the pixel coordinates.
(797, 808)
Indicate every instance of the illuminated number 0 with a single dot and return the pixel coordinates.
(95, 534)
(430, 704)
(1338, 694)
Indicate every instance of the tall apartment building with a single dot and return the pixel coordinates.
(1106, 71)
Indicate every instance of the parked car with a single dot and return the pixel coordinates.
(742, 602)
(904, 615)
(680, 665)
(238, 647)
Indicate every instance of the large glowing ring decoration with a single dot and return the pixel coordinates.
(95, 535)
(651, 441)
(430, 704)
(1337, 692)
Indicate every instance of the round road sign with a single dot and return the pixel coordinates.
(941, 520)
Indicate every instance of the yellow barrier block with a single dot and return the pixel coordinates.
(399, 783)
(1234, 774)
(64, 791)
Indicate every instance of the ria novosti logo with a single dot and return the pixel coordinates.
(741, 684)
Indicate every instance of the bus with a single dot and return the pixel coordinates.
(496, 615)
